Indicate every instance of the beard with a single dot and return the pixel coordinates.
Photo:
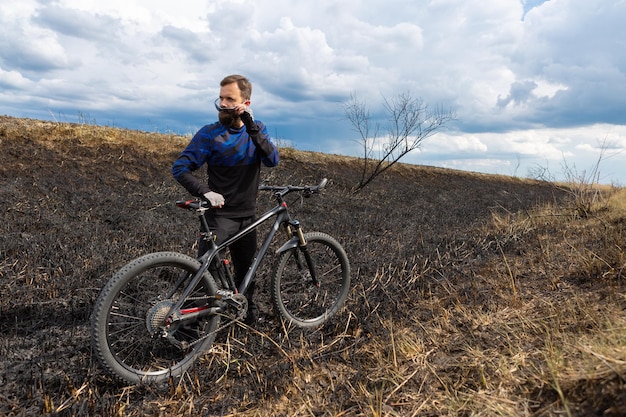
(228, 119)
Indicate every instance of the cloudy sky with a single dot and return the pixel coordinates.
(535, 85)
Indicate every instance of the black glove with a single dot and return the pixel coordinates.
(262, 144)
(248, 120)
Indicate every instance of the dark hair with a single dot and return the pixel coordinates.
(242, 82)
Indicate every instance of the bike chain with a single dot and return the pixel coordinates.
(220, 328)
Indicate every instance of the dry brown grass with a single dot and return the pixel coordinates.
(473, 295)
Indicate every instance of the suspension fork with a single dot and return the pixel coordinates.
(300, 245)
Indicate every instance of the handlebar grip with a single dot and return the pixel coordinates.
(191, 204)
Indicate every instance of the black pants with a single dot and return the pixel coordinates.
(241, 252)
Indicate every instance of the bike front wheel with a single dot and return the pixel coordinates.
(128, 330)
(307, 292)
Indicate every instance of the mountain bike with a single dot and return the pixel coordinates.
(161, 311)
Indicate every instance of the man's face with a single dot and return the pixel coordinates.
(230, 96)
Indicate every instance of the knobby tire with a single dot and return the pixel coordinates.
(295, 295)
(131, 308)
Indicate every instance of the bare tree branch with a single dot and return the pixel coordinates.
(409, 123)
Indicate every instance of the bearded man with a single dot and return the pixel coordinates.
(233, 150)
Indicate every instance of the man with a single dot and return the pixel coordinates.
(233, 149)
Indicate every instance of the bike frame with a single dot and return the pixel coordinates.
(282, 217)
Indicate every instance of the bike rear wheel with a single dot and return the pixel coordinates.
(296, 296)
(127, 329)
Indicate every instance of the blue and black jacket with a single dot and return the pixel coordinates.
(233, 158)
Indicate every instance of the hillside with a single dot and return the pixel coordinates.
(472, 294)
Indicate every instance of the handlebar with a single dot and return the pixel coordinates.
(280, 191)
(286, 189)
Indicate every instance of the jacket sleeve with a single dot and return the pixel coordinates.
(267, 150)
(192, 158)
(195, 187)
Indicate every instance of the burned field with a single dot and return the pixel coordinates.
(472, 294)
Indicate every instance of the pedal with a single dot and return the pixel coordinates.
(241, 307)
(224, 294)
(237, 303)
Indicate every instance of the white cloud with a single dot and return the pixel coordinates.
(528, 79)
(517, 152)
(13, 80)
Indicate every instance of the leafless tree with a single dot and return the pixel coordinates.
(409, 122)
